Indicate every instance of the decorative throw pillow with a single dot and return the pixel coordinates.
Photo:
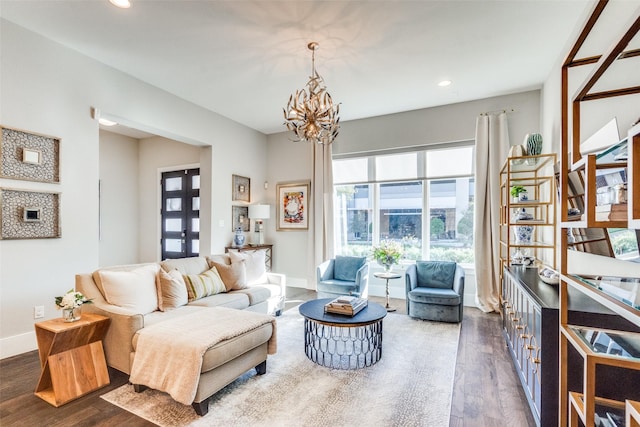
(254, 263)
(172, 291)
(346, 267)
(134, 290)
(234, 276)
(203, 285)
(436, 274)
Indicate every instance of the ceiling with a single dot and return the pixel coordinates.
(242, 59)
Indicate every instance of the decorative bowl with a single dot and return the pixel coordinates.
(549, 276)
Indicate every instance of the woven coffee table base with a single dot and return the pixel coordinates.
(343, 347)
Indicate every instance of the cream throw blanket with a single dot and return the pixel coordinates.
(169, 354)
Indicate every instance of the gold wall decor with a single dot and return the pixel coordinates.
(241, 191)
(29, 214)
(29, 156)
(240, 218)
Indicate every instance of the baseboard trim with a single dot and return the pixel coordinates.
(18, 344)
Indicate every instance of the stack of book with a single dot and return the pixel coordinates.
(347, 305)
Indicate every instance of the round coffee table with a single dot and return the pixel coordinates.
(342, 342)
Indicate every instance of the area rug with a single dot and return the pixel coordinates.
(410, 386)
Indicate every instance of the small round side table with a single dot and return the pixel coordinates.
(387, 275)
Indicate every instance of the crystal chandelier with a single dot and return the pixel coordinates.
(310, 113)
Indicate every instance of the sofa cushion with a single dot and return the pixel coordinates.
(134, 290)
(254, 263)
(229, 349)
(234, 299)
(219, 258)
(434, 296)
(125, 267)
(256, 294)
(234, 276)
(172, 291)
(203, 285)
(436, 274)
(191, 265)
(346, 267)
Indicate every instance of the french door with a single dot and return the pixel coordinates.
(180, 213)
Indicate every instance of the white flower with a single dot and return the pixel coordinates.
(71, 299)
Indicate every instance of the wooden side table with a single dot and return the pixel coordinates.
(268, 257)
(71, 358)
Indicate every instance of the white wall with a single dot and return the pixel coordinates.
(118, 199)
(288, 160)
(594, 114)
(157, 155)
(50, 89)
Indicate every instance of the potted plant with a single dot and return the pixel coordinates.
(387, 254)
(519, 193)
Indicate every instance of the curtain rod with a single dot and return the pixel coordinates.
(507, 110)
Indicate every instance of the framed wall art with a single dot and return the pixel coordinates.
(241, 190)
(240, 217)
(29, 214)
(29, 156)
(292, 207)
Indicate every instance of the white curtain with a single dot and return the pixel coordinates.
(492, 145)
(321, 226)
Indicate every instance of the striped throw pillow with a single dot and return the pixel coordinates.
(203, 285)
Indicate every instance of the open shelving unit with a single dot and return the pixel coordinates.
(536, 174)
(599, 346)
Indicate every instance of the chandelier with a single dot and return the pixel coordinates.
(310, 113)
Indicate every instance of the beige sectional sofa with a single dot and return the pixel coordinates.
(143, 295)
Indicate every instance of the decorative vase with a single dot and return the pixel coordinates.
(523, 233)
(534, 144)
(517, 151)
(239, 238)
(386, 265)
(71, 314)
(523, 196)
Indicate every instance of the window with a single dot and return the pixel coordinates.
(387, 197)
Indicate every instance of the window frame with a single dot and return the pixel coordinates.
(422, 172)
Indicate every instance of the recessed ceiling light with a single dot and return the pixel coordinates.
(444, 83)
(106, 122)
(123, 4)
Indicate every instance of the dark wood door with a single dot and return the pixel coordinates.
(180, 213)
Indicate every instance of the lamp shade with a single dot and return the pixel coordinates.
(259, 211)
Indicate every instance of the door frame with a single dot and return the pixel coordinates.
(159, 173)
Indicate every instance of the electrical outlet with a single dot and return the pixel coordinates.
(38, 312)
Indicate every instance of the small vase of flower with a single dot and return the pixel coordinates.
(70, 304)
(387, 254)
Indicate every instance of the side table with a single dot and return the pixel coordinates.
(71, 358)
(268, 252)
(387, 275)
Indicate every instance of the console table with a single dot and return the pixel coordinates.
(530, 319)
(268, 249)
(71, 358)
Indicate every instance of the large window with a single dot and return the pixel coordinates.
(420, 199)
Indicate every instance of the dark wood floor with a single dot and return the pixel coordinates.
(486, 388)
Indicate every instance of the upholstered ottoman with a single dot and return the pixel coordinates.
(193, 356)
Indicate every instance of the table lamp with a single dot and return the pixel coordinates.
(259, 212)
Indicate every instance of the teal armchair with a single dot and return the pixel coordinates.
(435, 291)
(343, 275)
